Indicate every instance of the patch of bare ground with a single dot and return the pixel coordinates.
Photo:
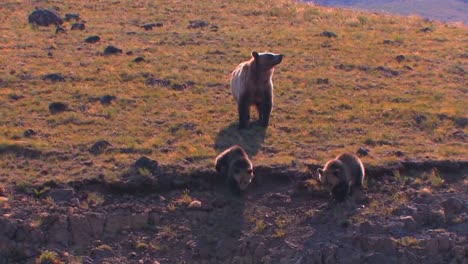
(413, 212)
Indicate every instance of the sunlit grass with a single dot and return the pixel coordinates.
(310, 121)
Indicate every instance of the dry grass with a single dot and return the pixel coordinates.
(416, 112)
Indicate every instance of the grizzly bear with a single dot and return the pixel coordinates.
(235, 165)
(251, 84)
(343, 175)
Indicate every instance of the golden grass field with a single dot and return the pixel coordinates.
(420, 113)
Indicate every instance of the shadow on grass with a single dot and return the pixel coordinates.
(250, 139)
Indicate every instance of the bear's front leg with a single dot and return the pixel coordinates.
(244, 114)
(266, 110)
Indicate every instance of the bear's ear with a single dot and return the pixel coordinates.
(255, 55)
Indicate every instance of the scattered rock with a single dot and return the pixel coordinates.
(322, 81)
(399, 153)
(453, 207)
(15, 97)
(426, 29)
(409, 223)
(54, 77)
(387, 71)
(193, 24)
(103, 251)
(400, 58)
(159, 82)
(29, 133)
(44, 17)
(78, 26)
(92, 39)
(151, 25)
(106, 99)
(363, 151)
(86, 228)
(419, 118)
(70, 16)
(58, 30)
(61, 195)
(57, 107)
(388, 42)
(460, 122)
(345, 67)
(99, 147)
(109, 50)
(195, 204)
(149, 164)
(139, 59)
(328, 34)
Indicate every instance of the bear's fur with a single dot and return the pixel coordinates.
(251, 84)
(235, 165)
(343, 175)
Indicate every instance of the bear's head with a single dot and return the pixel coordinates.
(266, 60)
(242, 173)
(332, 174)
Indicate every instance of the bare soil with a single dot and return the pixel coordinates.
(286, 217)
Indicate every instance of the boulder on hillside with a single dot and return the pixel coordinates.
(44, 17)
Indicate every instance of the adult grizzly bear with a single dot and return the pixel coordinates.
(251, 84)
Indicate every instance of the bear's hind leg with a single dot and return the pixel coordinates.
(244, 114)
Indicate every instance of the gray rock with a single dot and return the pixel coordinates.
(44, 17)
(453, 207)
(101, 252)
(61, 195)
(409, 223)
(86, 228)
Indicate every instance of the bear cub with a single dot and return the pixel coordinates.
(343, 175)
(235, 165)
(252, 85)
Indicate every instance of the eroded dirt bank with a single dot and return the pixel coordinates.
(414, 215)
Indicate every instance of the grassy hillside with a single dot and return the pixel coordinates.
(176, 107)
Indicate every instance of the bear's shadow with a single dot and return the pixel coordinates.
(251, 139)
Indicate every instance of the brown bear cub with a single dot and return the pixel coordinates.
(235, 165)
(251, 84)
(343, 175)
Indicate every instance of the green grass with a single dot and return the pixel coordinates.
(310, 122)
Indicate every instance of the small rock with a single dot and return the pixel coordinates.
(425, 30)
(57, 107)
(99, 147)
(92, 39)
(409, 223)
(44, 17)
(58, 30)
(29, 133)
(259, 252)
(328, 34)
(362, 151)
(78, 26)
(109, 50)
(61, 195)
(453, 207)
(54, 77)
(151, 25)
(159, 82)
(387, 41)
(144, 162)
(195, 204)
(101, 252)
(106, 99)
(197, 24)
(139, 59)
(399, 153)
(322, 81)
(71, 16)
(129, 52)
(460, 122)
(400, 58)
